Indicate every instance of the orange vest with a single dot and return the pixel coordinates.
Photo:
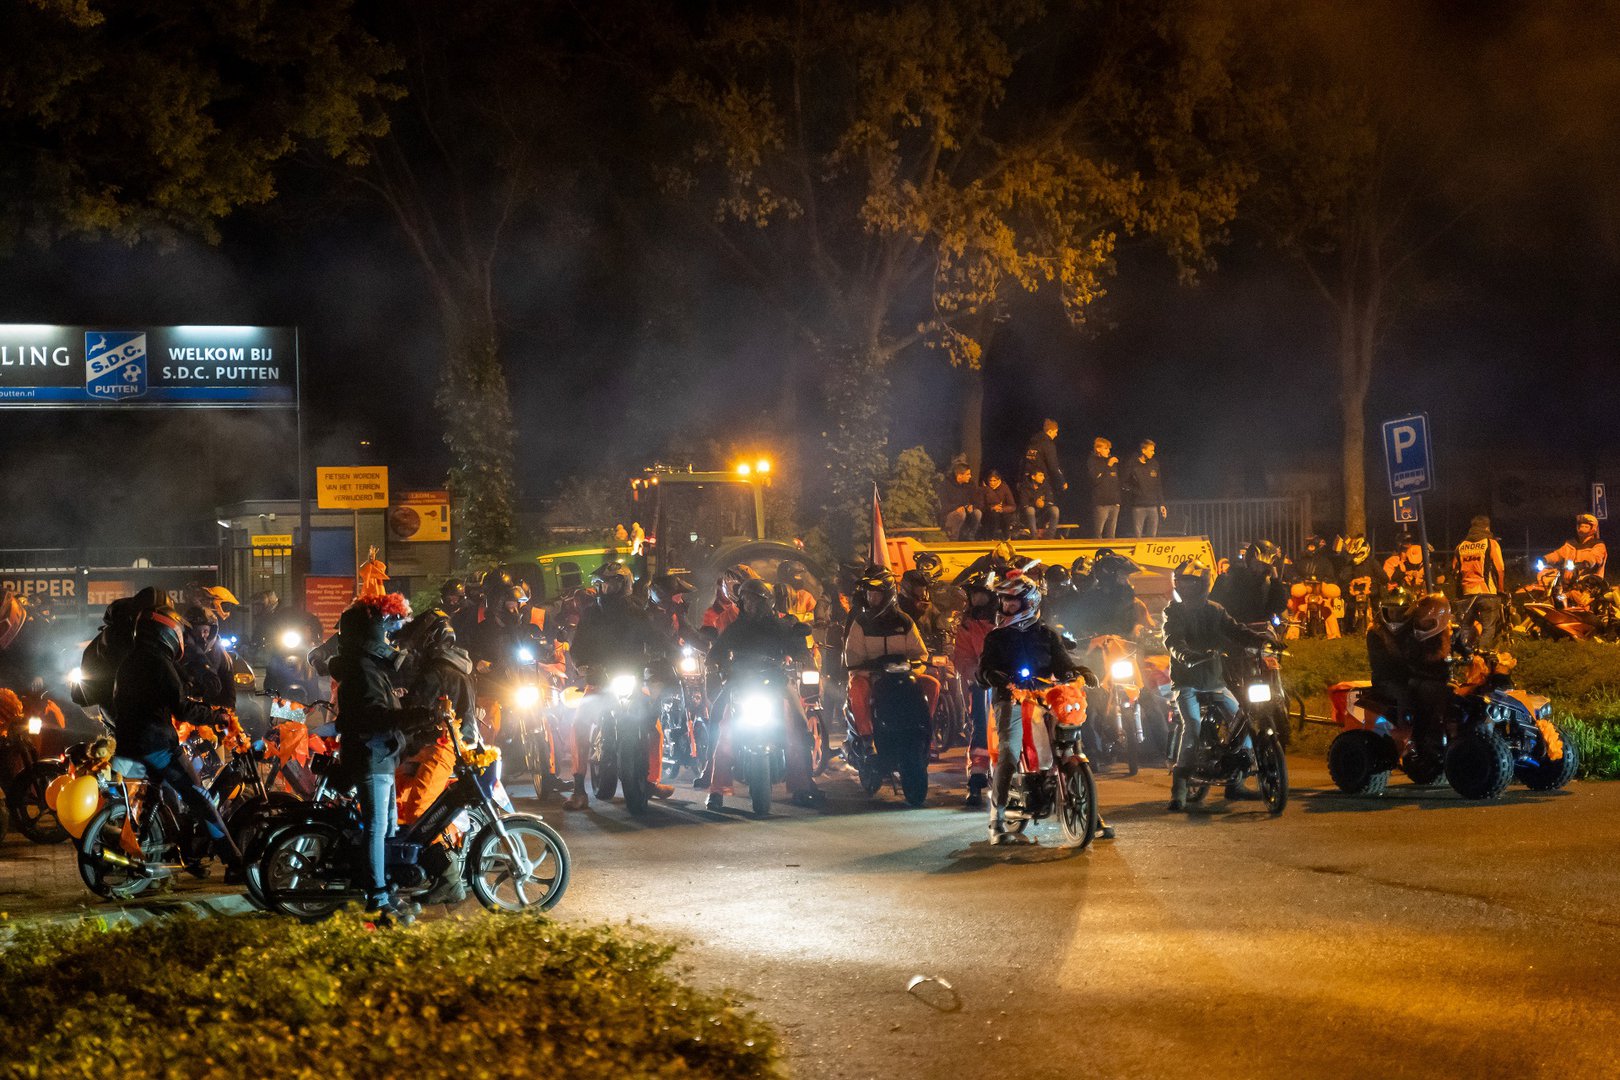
(1476, 567)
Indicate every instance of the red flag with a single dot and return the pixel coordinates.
(880, 539)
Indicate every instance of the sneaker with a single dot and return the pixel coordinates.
(974, 800)
(715, 801)
(998, 831)
(701, 781)
(810, 799)
(1105, 831)
(397, 913)
(577, 801)
(662, 791)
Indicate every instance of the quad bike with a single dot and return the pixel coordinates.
(1314, 608)
(1492, 735)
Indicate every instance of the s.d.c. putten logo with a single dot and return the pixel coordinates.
(115, 364)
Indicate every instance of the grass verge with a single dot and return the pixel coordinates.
(488, 997)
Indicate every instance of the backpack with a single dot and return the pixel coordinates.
(98, 667)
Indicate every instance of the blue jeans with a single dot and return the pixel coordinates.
(169, 768)
(377, 818)
(1192, 716)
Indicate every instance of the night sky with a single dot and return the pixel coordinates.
(1512, 349)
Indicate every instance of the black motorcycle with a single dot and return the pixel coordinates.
(1232, 747)
(511, 862)
(621, 742)
(26, 794)
(901, 733)
(684, 717)
(757, 726)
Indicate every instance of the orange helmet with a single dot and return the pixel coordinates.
(1432, 617)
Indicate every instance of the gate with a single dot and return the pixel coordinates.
(1232, 523)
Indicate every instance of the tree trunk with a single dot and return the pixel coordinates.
(972, 419)
(1357, 345)
(478, 428)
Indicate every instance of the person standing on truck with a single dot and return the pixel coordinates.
(1145, 489)
(1104, 489)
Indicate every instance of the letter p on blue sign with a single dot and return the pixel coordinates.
(1407, 457)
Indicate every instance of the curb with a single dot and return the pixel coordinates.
(225, 905)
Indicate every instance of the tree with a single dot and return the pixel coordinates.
(911, 495)
(144, 120)
(886, 175)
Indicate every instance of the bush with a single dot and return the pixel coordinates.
(269, 997)
(1581, 677)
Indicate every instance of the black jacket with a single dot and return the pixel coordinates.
(447, 674)
(148, 695)
(1044, 452)
(209, 676)
(759, 642)
(1035, 496)
(1035, 648)
(1250, 597)
(1193, 632)
(1143, 483)
(615, 635)
(1104, 481)
(371, 725)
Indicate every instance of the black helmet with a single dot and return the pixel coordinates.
(917, 586)
(667, 588)
(1110, 565)
(929, 563)
(612, 579)
(428, 633)
(1055, 577)
(453, 587)
(197, 617)
(1192, 579)
(877, 579)
(1314, 543)
(1081, 567)
(757, 590)
(164, 627)
(1395, 607)
(977, 582)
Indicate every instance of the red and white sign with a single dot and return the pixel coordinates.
(328, 597)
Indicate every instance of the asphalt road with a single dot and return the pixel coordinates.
(1412, 935)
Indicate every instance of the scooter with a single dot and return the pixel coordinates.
(1053, 778)
(1231, 748)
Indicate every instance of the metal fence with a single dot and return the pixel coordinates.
(108, 558)
(1231, 523)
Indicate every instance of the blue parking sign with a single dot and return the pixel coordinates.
(1600, 501)
(1406, 455)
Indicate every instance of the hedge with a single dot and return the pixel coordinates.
(1582, 678)
(265, 996)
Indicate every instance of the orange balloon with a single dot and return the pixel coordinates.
(54, 790)
(77, 804)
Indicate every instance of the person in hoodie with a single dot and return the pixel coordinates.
(373, 730)
(1589, 553)
(148, 696)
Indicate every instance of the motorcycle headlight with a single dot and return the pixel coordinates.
(622, 686)
(34, 724)
(1023, 673)
(1122, 670)
(754, 711)
(525, 655)
(810, 678)
(76, 676)
(292, 639)
(528, 696)
(690, 665)
(1259, 693)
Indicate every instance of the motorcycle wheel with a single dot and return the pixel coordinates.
(1550, 775)
(1077, 803)
(1271, 773)
(1479, 765)
(301, 859)
(1127, 737)
(633, 755)
(1155, 724)
(819, 748)
(914, 775)
(26, 799)
(1196, 790)
(1358, 762)
(757, 775)
(492, 871)
(110, 880)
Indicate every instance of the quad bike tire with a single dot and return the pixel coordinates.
(1479, 765)
(1422, 771)
(1551, 775)
(1358, 762)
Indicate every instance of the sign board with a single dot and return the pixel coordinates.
(45, 588)
(273, 540)
(328, 597)
(1406, 511)
(116, 365)
(102, 593)
(360, 488)
(1600, 501)
(420, 516)
(1407, 457)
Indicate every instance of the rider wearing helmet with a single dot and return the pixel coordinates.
(615, 636)
(916, 598)
(1589, 553)
(439, 667)
(667, 604)
(880, 633)
(761, 637)
(978, 619)
(724, 610)
(1362, 580)
(1315, 563)
(459, 607)
(206, 666)
(503, 647)
(1252, 592)
(1020, 649)
(1110, 605)
(1198, 631)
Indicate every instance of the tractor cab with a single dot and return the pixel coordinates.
(691, 516)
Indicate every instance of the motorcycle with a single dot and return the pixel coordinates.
(901, 728)
(1053, 777)
(510, 862)
(26, 795)
(1245, 669)
(1492, 734)
(1231, 748)
(1575, 608)
(1117, 733)
(951, 720)
(756, 727)
(1313, 609)
(815, 715)
(684, 718)
(529, 701)
(621, 743)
